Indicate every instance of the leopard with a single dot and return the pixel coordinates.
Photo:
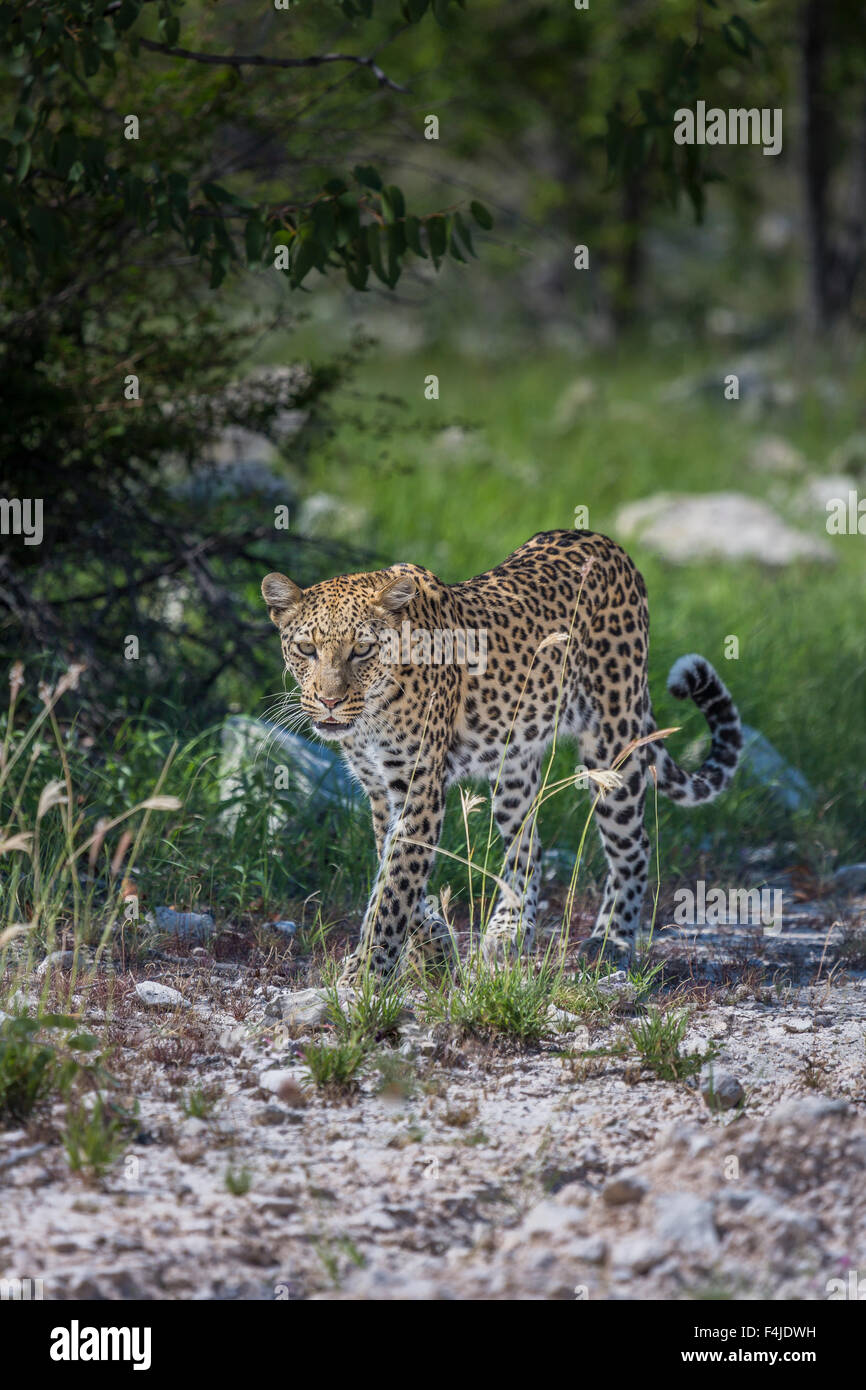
(560, 651)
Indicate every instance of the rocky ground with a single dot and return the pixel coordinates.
(460, 1166)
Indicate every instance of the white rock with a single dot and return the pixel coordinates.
(315, 772)
(797, 1024)
(60, 960)
(276, 1078)
(813, 497)
(760, 760)
(546, 1222)
(850, 879)
(591, 1249)
(157, 996)
(772, 454)
(638, 1253)
(300, 1008)
(563, 1021)
(189, 926)
(686, 1220)
(619, 984)
(717, 525)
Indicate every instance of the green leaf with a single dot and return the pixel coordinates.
(396, 240)
(22, 167)
(481, 215)
(169, 30)
(464, 233)
(394, 203)
(217, 194)
(437, 237)
(368, 176)
(412, 228)
(125, 17)
(91, 58)
(375, 251)
(255, 237)
(25, 120)
(325, 224)
(304, 257)
(356, 275)
(735, 41)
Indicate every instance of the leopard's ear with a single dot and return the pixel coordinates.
(394, 594)
(281, 595)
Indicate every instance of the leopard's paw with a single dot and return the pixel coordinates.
(508, 936)
(360, 965)
(605, 949)
(433, 944)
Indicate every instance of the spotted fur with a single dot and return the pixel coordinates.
(566, 625)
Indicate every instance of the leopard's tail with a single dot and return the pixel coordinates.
(693, 678)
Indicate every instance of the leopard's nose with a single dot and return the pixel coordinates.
(329, 704)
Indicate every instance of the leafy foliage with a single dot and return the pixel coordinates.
(63, 157)
(39, 1057)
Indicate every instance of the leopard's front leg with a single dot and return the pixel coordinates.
(404, 868)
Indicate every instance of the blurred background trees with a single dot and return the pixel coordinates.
(142, 279)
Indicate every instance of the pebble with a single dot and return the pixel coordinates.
(625, 1187)
(721, 1089)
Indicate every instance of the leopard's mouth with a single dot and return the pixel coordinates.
(333, 727)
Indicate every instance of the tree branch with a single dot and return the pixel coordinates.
(257, 60)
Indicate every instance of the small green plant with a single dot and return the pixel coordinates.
(584, 996)
(27, 1069)
(372, 1013)
(198, 1103)
(657, 1038)
(335, 1066)
(238, 1181)
(510, 1001)
(94, 1136)
(329, 1252)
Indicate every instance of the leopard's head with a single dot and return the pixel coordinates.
(337, 642)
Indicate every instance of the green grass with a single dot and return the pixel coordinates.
(582, 993)
(372, 1014)
(335, 1066)
(656, 1039)
(198, 1103)
(510, 1001)
(237, 1181)
(94, 1137)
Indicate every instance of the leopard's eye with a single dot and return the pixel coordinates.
(362, 649)
(305, 648)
